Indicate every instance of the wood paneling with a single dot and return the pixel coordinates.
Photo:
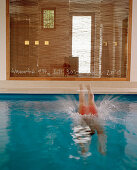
(129, 39)
(109, 62)
(67, 79)
(7, 41)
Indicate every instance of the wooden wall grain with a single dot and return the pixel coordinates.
(109, 55)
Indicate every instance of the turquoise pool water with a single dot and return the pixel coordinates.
(37, 133)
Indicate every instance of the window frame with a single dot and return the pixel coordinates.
(8, 77)
(54, 18)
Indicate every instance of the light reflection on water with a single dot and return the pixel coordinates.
(47, 132)
(4, 138)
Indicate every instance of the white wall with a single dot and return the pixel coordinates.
(134, 43)
(3, 42)
(2, 39)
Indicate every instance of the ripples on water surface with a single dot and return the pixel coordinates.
(46, 132)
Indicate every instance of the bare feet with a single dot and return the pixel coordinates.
(81, 86)
(90, 93)
(89, 88)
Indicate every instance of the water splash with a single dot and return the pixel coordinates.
(110, 108)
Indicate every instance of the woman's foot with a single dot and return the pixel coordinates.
(89, 88)
(81, 86)
(90, 93)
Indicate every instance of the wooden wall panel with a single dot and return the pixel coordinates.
(110, 38)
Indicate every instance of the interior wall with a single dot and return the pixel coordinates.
(3, 42)
(133, 72)
(2, 39)
(49, 61)
(26, 24)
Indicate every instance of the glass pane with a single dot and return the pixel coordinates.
(90, 39)
(48, 18)
(81, 41)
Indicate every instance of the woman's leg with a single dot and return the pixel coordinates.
(81, 99)
(90, 96)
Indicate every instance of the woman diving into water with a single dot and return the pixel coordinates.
(89, 114)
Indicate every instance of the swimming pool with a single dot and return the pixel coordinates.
(37, 132)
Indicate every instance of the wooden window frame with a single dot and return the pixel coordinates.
(8, 77)
(54, 19)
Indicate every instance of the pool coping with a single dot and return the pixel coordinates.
(65, 87)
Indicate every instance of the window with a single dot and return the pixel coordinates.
(48, 18)
(92, 39)
(81, 41)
